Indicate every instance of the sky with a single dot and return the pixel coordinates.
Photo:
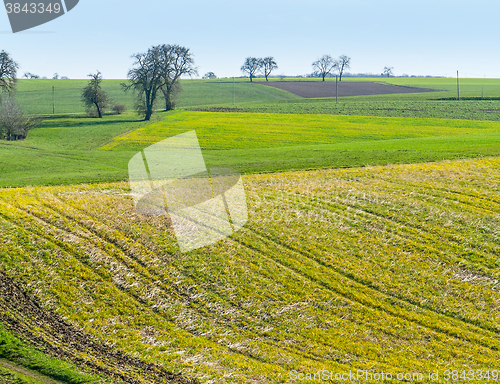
(415, 37)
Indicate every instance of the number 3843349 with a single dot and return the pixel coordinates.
(33, 7)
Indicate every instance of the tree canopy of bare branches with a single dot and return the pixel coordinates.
(342, 64)
(8, 73)
(251, 66)
(324, 66)
(209, 75)
(268, 65)
(14, 125)
(94, 96)
(176, 62)
(158, 69)
(388, 71)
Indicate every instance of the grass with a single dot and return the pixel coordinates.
(35, 96)
(77, 150)
(11, 377)
(62, 151)
(18, 352)
(445, 109)
(381, 268)
(388, 269)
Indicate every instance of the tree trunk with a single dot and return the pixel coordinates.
(324, 77)
(251, 78)
(149, 112)
(98, 110)
(169, 104)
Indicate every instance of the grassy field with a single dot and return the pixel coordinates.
(35, 96)
(372, 242)
(68, 150)
(390, 269)
(445, 109)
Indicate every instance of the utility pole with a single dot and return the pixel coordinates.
(233, 90)
(53, 100)
(336, 89)
(458, 88)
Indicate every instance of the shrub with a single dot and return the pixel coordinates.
(118, 109)
(14, 124)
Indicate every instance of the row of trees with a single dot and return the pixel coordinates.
(157, 72)
(253, 65)
(325, 65)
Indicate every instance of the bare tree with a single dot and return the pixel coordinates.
(324, 66)
(146, 79)
(251, 66)
(268, 65)
(176, 62)
(29, 75)
(388, 71)
(93, 95)
(159, 69)
(342, 64)
(14, 125)
(8, 73)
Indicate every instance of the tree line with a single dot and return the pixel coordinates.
(154, 73)
(323, 67)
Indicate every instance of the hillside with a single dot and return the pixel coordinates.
(390, 269)
(71, 150)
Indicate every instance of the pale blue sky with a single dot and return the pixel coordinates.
(421, 37)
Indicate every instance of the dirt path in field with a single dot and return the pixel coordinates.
(314, 89)
(16, 368)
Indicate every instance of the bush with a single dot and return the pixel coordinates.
(14, 125)
(118, 109)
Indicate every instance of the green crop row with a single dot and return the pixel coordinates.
(379, 268)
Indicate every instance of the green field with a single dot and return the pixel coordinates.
(77, 150)
(390, 269)
(35, 96)
(372, 242)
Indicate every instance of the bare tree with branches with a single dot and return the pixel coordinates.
(268, 64)
(14, 125)
(342, 64)
(94, 96)
(8, 73)
(324, 66)
(176, 62)
(159, 69)
(146, 79)
(251, 66)
(388, 71)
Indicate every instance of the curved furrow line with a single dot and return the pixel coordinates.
(436, 235)
(157, 311)
(285, 331)
(422, 247)
(218, 320)
(369, 286)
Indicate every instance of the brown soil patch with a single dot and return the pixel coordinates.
(316, 89)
